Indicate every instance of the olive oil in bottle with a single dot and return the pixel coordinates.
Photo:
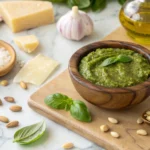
(135, 18)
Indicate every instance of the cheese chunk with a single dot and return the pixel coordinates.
(27, 43)
(22, 15)
(37, 70)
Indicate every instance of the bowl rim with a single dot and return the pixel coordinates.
(83, 51)
(13, 55)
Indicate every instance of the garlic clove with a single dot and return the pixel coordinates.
(75, 24)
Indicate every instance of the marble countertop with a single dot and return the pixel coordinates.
(55, 46)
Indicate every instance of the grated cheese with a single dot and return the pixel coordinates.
(4, 57)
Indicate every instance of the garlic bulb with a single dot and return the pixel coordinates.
(75, 24)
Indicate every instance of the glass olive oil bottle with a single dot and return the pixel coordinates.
(135, 18)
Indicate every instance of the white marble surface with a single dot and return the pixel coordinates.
(53, 45)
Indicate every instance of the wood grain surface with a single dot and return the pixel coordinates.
(127, 127)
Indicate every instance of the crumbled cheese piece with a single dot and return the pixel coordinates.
(4, 57)
(27, 43)
(37, 70)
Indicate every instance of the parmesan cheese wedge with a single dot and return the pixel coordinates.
(27, 43)
(22, 15)
(37, 70)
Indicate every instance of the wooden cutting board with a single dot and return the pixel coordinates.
(127, 127)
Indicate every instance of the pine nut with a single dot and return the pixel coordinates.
(140, 121)
(142, 132)
(68, 145)
(23, 85)
(4, 83)
(148, 118)
(104, 128)
(114, 134)
(113, 120)
(148, 113)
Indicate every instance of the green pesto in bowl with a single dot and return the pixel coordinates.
(110, 67)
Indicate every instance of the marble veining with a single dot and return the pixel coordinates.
(53, 45)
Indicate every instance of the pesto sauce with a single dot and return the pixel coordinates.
(118, 74)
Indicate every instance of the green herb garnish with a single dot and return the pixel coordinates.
(30, 134)
(58, 101)
(82, 4)
(95, 5)
(115, 59)
(77, 108)
(79, 111)
(98, 5)
(122, 1)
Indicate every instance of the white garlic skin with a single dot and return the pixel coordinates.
(75, 25)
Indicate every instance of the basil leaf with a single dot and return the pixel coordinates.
(57, 1)
(77, 108)
(119, 58)
(95, 5)
(122, 1)
(79, 111)
(124, 58)
(109, 61)
(58, 101)
(80, 3)
(98, 4)
(70, 3)
(30, 134)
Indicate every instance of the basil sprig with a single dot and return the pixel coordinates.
(95, 5)
(30, 134)
(78, 109)
(115, 59)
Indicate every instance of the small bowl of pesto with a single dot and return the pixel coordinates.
(111, 74)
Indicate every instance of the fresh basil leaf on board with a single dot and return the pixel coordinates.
(124, 58)
(79, 111)
(98, 5)
(58, 101)
(109, 61)
(30, 134)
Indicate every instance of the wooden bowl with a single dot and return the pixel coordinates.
(110, 98)
(144, 117)
(6, 69)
